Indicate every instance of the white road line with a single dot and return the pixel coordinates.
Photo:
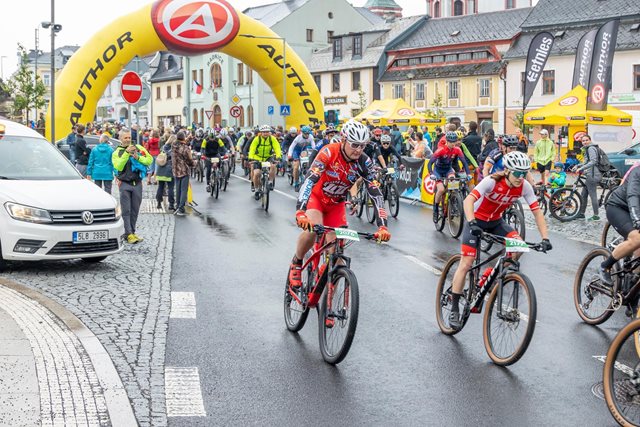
(619, 366)
(183, 393)
(275, 191)
(423, 265)
(183, 305)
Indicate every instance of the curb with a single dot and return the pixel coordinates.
(117, 401)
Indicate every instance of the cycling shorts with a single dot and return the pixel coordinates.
(620, 219)
(333, 214)
(441, 175)
(498, 227)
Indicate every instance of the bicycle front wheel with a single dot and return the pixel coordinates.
(515, 218)
(455, 218)
(443, 297)
(372, 212)
(265, 195)
(442, 214)
(620, 377)
(394, 200)
(508, 328)
(591, 298)
(564, 204)
(338, 316)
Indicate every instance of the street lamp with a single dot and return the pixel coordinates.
(235, 83)
(284, 65)
(2, 66)
(55, 28)
(410, 76)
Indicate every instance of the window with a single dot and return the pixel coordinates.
(398, 91)
(464, 57)
(451, 58)
(426, 60)
(480, 55)
(438, 58)
(457, 8)
(414, 61)
(249, 76)
(484, 87)
(436, 10)
(46, 79)
(194, 76)
(357, 45)
(309, 35)
(548, 82)
(168, 92)
(158, 93)
(216, 75)
(179, 91)
(317, 78)
(250, 114)
(420, 91)
(241, 73)
(471, 7)
(355, 80)
(402, 62)
(201, 81)
(337, 48)
(636, 77)
(335, 82)
(453, 89)
(329, 36)
(510, 4)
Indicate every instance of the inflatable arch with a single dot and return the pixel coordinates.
(188, 27)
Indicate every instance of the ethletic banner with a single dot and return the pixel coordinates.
(539, 51)
(600, 76)
(582, 66)
(410, 179)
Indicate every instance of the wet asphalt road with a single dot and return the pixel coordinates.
(401, 370)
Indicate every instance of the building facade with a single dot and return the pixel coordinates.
(449, 8)
(167, 91)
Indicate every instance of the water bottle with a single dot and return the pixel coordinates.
(485, 276)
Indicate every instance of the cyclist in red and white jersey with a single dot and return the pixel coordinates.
(483, 210)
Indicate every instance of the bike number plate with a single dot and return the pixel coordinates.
(346, 234)
(266, 164)
(515, 245)
(215, 160)
(304, 159)
(390, 171)
(453, 185)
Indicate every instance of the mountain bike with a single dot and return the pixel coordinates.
(303, 168)
(510, 318)
(197, 171)
(450, 208)
(609, 236)
(390, 191)
(226, 171)
(232, 161)
(514, 216)
(566, 202)
(265, 188)
(329, 285)
(217, 178)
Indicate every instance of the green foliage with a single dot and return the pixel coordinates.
(518, 120)
(362, 101)
(436, 111)
(26, 94)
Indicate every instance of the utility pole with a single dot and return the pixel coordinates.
(35, 70)
(52, 80)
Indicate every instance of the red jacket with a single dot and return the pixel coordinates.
(153, 146)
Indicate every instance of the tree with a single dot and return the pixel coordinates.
(436, 111)
(26, 94)
(362, 101)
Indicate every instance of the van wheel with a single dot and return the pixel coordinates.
(94, 259)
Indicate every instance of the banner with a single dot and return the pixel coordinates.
(539, 51)
(600, 74)
(582, 66)
(409, 180)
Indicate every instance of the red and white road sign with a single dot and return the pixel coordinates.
(209, 113)
(235, 111)
(131, 87)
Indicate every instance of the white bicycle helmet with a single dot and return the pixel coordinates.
(199, 133)
(336, 138)
(223, 132)
(516, 161)
(355, 132)
(265, 128)
(385, 138)
(293, 130)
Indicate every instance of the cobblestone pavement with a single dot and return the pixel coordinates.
(125, 302)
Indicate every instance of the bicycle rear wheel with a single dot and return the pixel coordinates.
(372, 211)
(620, 377)
(565, 204)
(515, 218)
(443, 297)
(265, 194)
(508, 332)
(455, 215)
(296, 312)
(610, 237)
(362, 199)
(218, 182)
(592, 304)
(335, 341)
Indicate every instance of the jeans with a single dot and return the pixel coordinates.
(160, 192)
(104, 184)
(130, 201)
(182, 187)
(82, 169)
(590, 188)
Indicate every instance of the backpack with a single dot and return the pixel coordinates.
(603, 163)
(161, 159)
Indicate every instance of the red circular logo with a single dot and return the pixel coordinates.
(405, 112)
(189, 27)
(597, 93)
(568, 101)
(429, 185)
(578, 135)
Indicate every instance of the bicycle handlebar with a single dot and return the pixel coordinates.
(321, 229)
(501, 240)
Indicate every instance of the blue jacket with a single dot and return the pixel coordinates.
(100, 166)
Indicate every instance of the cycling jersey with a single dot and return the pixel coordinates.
(300, 143)
(213, 147)
(262, 148)
(196, 144)
(330, 178)
(443, 159)
(495, 159)
(493, 197)
(387, 153)
(372, 150)
(287, 141)
(627, 195)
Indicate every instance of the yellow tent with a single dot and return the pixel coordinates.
(391, 111)
(571, 110)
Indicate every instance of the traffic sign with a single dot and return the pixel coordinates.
(285, 110)
(209, 113)
(235, 111)
(270, 110)
(138, 65)
(131, 87)
(235, 99)
(146, 95)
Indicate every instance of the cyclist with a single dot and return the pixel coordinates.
(623, 213)
(440, 166)
(322, 196)
(196, 143)
(288, 140)
(212, 147)
(483, 209)
(494, 161)
(302, 142)
(262, 148)
(387, 150)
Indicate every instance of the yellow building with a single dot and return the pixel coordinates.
(166, 91)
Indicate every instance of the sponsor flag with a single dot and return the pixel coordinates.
(582, 66)
(539, 51)
(600, 75)
(197, 87)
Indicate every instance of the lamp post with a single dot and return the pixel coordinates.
(235, 83)
(2, 66)
(503, 77)
(55, 28)
(410, 76)
(284, 65)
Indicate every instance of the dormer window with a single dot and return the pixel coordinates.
(337, 48)
(357, 45)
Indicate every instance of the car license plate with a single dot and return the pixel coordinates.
(90, 236)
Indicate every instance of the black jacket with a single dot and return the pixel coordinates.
(488, 148)
(82, 151)
(474, 143)
(627, 195)
(127, 174)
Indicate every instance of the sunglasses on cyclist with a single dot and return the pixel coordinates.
(385, 143)
(519, 174)
(357, 145)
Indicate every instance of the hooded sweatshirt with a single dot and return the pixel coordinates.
(100, 167)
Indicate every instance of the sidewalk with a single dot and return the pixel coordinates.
(54, 371)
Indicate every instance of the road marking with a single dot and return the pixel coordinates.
(274, 190)
(423, 265)
(183, 393)
(619, 366)
(183, 305)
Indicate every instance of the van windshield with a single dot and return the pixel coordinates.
(33, 159)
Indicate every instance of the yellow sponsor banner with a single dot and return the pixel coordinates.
(427, 187)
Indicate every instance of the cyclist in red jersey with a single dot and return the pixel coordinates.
(323, 193)
(483, 210)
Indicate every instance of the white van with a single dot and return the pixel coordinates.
(48, 211)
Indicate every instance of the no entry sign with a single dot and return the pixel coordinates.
(131, 87)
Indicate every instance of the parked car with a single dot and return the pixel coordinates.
(92, 141)
(48, 211)
(626, 158)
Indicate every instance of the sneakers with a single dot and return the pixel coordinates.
(159, 205)
(271, 186)
(140, 239)
(172, 208)
(180, 212)
(594, 218)
(454, 320)
(580, 216)
(605, 276)
(132, 239)
(253, 188)
(257, 195)
(295, 275)
(208, 188)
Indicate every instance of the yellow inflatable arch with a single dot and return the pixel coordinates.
(187, 27)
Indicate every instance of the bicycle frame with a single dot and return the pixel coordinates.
(626, 297)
